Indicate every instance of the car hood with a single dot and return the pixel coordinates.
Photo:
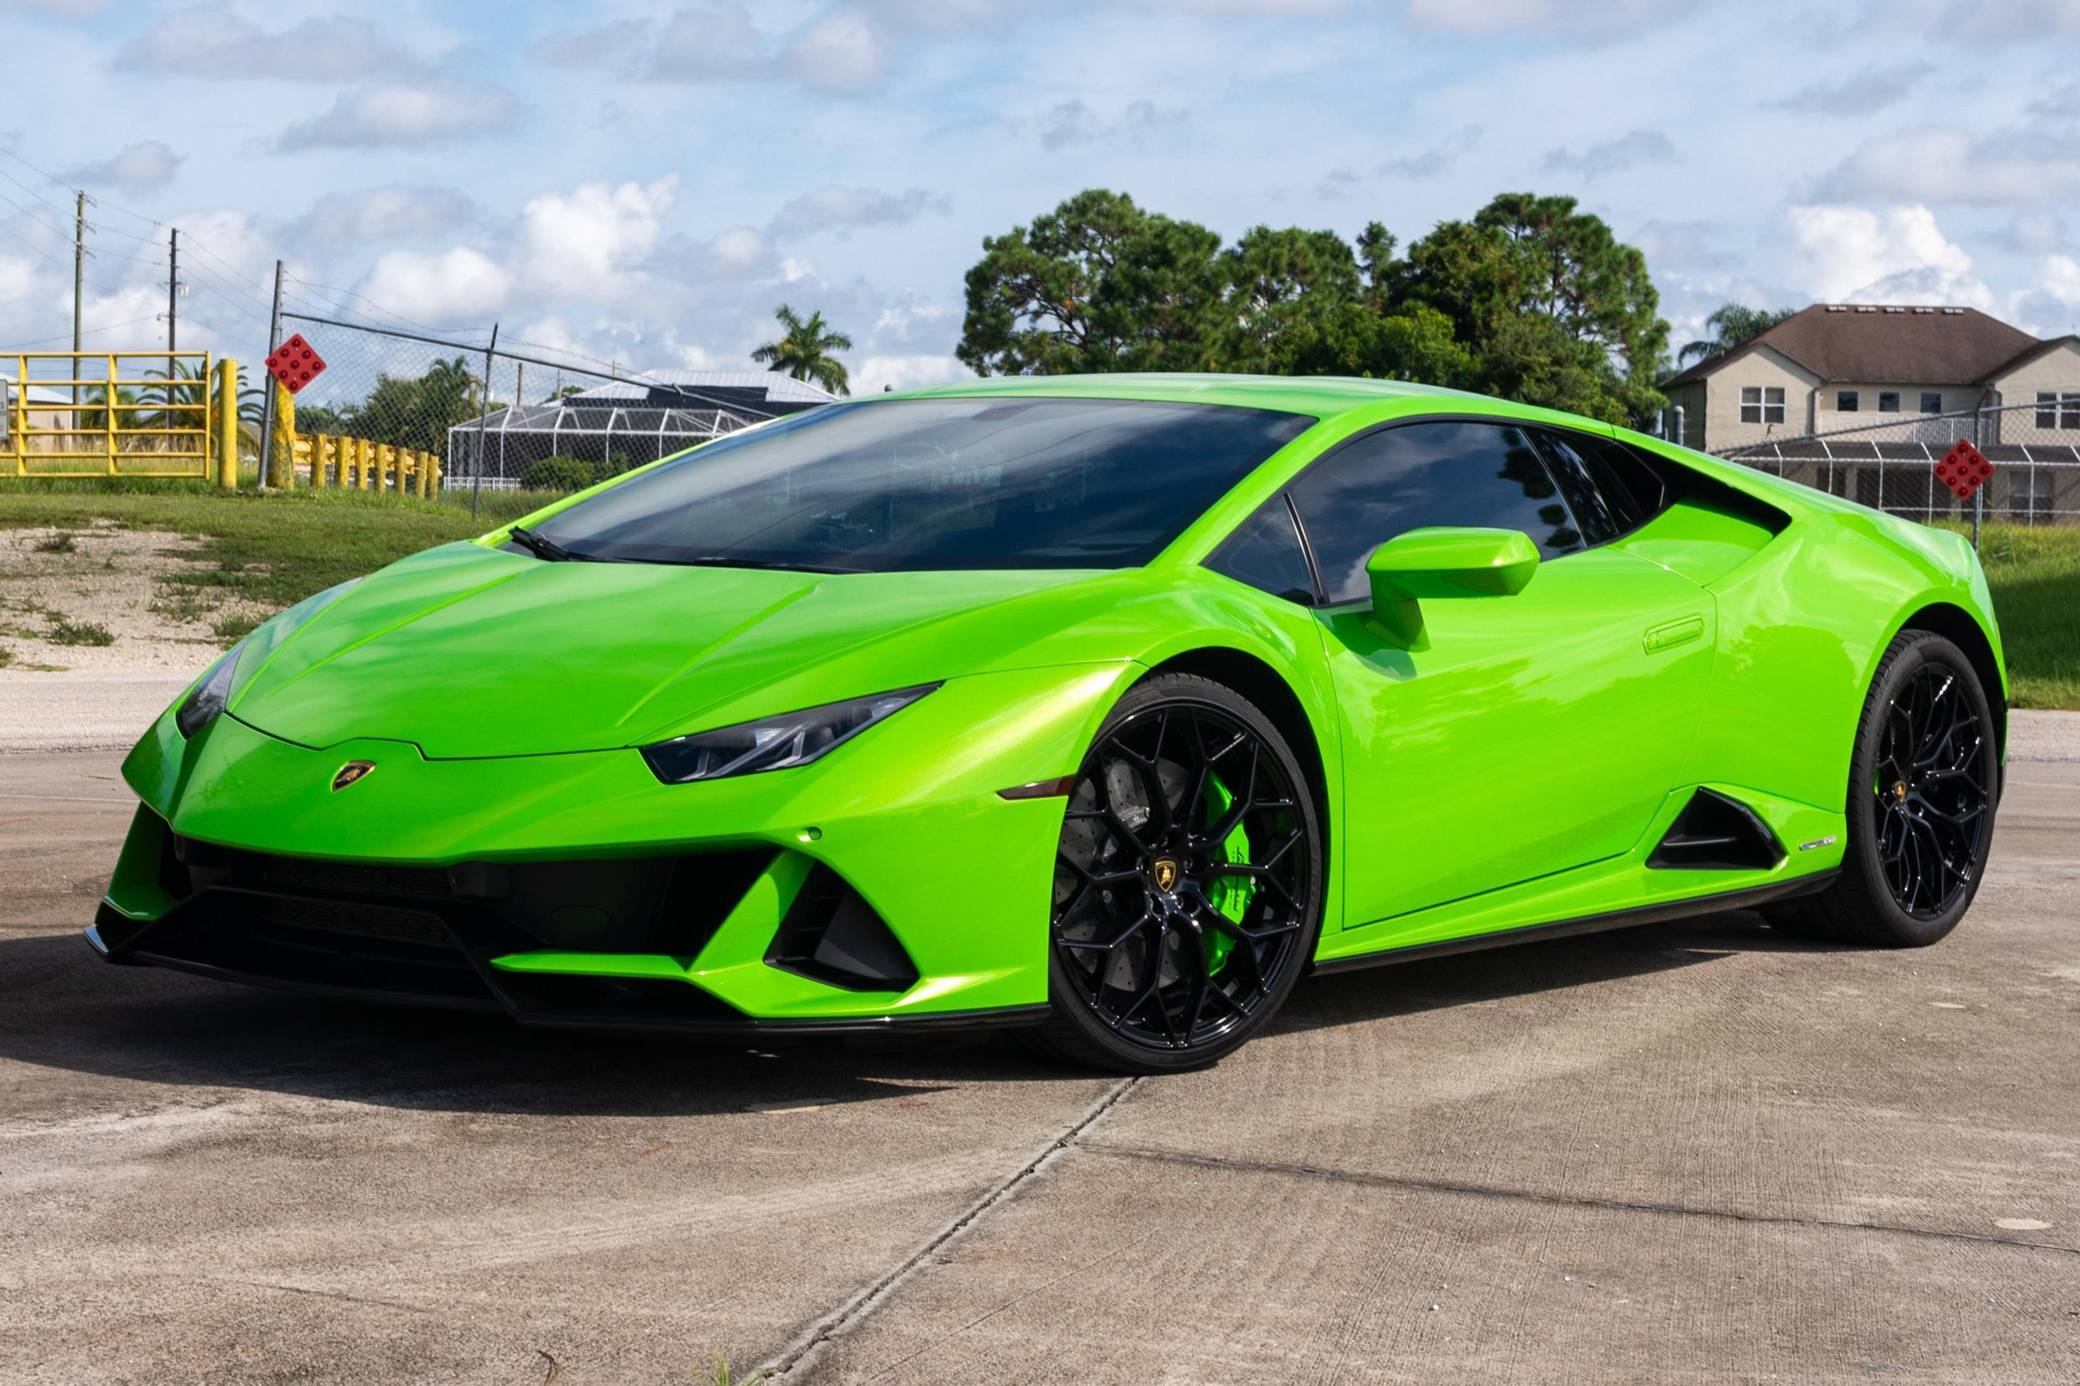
(469, 651)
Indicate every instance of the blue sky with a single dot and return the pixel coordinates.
(644, 183)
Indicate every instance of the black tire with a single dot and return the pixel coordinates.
(1923, 786)
(1217, 949)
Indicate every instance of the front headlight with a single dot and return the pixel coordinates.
(774, 743)
(203, 706)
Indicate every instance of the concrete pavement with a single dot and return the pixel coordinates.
(1697, 1152)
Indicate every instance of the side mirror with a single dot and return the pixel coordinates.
(1444, 562)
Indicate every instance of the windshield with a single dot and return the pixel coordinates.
(935, 483)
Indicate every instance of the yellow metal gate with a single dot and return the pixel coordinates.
(125, 413)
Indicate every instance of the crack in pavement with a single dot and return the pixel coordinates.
(323, 1294)
(877, 1291)
(1616, 1205)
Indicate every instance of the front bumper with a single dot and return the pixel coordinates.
(888, 883)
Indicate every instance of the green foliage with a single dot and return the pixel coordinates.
(560, 473)
(63, 542)
(65, 632)
(1531, 299)
(406, 412)
(804, 350)
(1731, 325)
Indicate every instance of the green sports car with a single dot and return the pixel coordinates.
(1107, 706)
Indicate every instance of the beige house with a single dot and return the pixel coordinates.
(37, 410)
(1882, 371)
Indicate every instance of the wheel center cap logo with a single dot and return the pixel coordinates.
(351, 773)
(1164, 871)
(1899, 790)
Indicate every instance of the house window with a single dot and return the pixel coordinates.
(2055, 410)
(1888, 401)
(1845, 401)
(1762, 404)
(1931, 401)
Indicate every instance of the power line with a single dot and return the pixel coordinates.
(33, 248)
(59, 182)
(234, 271)
(67, 336)
(379, 308)
(54, 230)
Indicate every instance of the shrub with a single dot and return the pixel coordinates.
(559, 473)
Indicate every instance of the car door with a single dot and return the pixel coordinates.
(1522, 735)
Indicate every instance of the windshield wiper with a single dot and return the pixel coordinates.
(726, 560)
(547, 549)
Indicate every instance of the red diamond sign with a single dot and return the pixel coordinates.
(295, 364)
(1964, 469)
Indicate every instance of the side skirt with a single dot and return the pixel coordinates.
(1589, 924)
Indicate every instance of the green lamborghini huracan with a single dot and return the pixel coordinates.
(1107, 706)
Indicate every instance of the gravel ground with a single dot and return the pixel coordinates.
(103, 583)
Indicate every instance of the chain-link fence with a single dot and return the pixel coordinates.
(1889, 463)
(476, 416)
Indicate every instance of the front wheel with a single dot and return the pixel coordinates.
(1923, 786)
(1187, 893)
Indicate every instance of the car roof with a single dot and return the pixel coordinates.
(1321, 395)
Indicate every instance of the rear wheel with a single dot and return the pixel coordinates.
(1922, 790)
(1187, 892)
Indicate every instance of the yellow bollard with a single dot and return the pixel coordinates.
(322, 445)
(433, 482)
(425, 477)
(284, 458)
(364, 458)
(226, 407)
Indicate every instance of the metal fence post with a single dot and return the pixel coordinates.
(1981, 442)
(477, 486)
(274, 339)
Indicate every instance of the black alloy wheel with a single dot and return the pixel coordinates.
(1924, 784)
(1186, 898)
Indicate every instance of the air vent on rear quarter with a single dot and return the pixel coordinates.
(1715, 833)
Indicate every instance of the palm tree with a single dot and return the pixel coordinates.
(1731, 324)
(804, 350)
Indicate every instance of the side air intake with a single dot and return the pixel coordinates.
(832, 935)
(1715, 833)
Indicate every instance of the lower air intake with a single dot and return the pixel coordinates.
(1715, 833)
(832, 935)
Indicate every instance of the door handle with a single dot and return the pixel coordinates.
(1670, 634)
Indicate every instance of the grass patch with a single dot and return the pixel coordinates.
(232, 628)
(58, 543)
(64, 632)
(273, 550)
(6, 656)
(2034, 574)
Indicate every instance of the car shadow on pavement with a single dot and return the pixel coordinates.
(1486, 974)
(62, 1008)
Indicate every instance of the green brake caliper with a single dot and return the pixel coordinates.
(1228, 894)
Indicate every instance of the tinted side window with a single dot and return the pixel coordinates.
(1399, 479)
(1265, 552)
(1601, 509)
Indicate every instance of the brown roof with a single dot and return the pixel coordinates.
(1868, 343)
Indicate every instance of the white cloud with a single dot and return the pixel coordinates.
(2013, 19)
(1888, 255)
(714, 42)
(833, 208)
(1077, 122)
(584, 242)
(403, 113)
(69, 9)
(1872, 89)
(1483, 17)
(145, 164)
(877, 373)
(1947, 165)
(445, 286)
(216, 42)
(1438, 158)
(839, 52)
(1613, 156)
(379, 214)
(2034, 233)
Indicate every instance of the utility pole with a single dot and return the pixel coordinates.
(79, 265)
(173, 286)
(268, 384)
